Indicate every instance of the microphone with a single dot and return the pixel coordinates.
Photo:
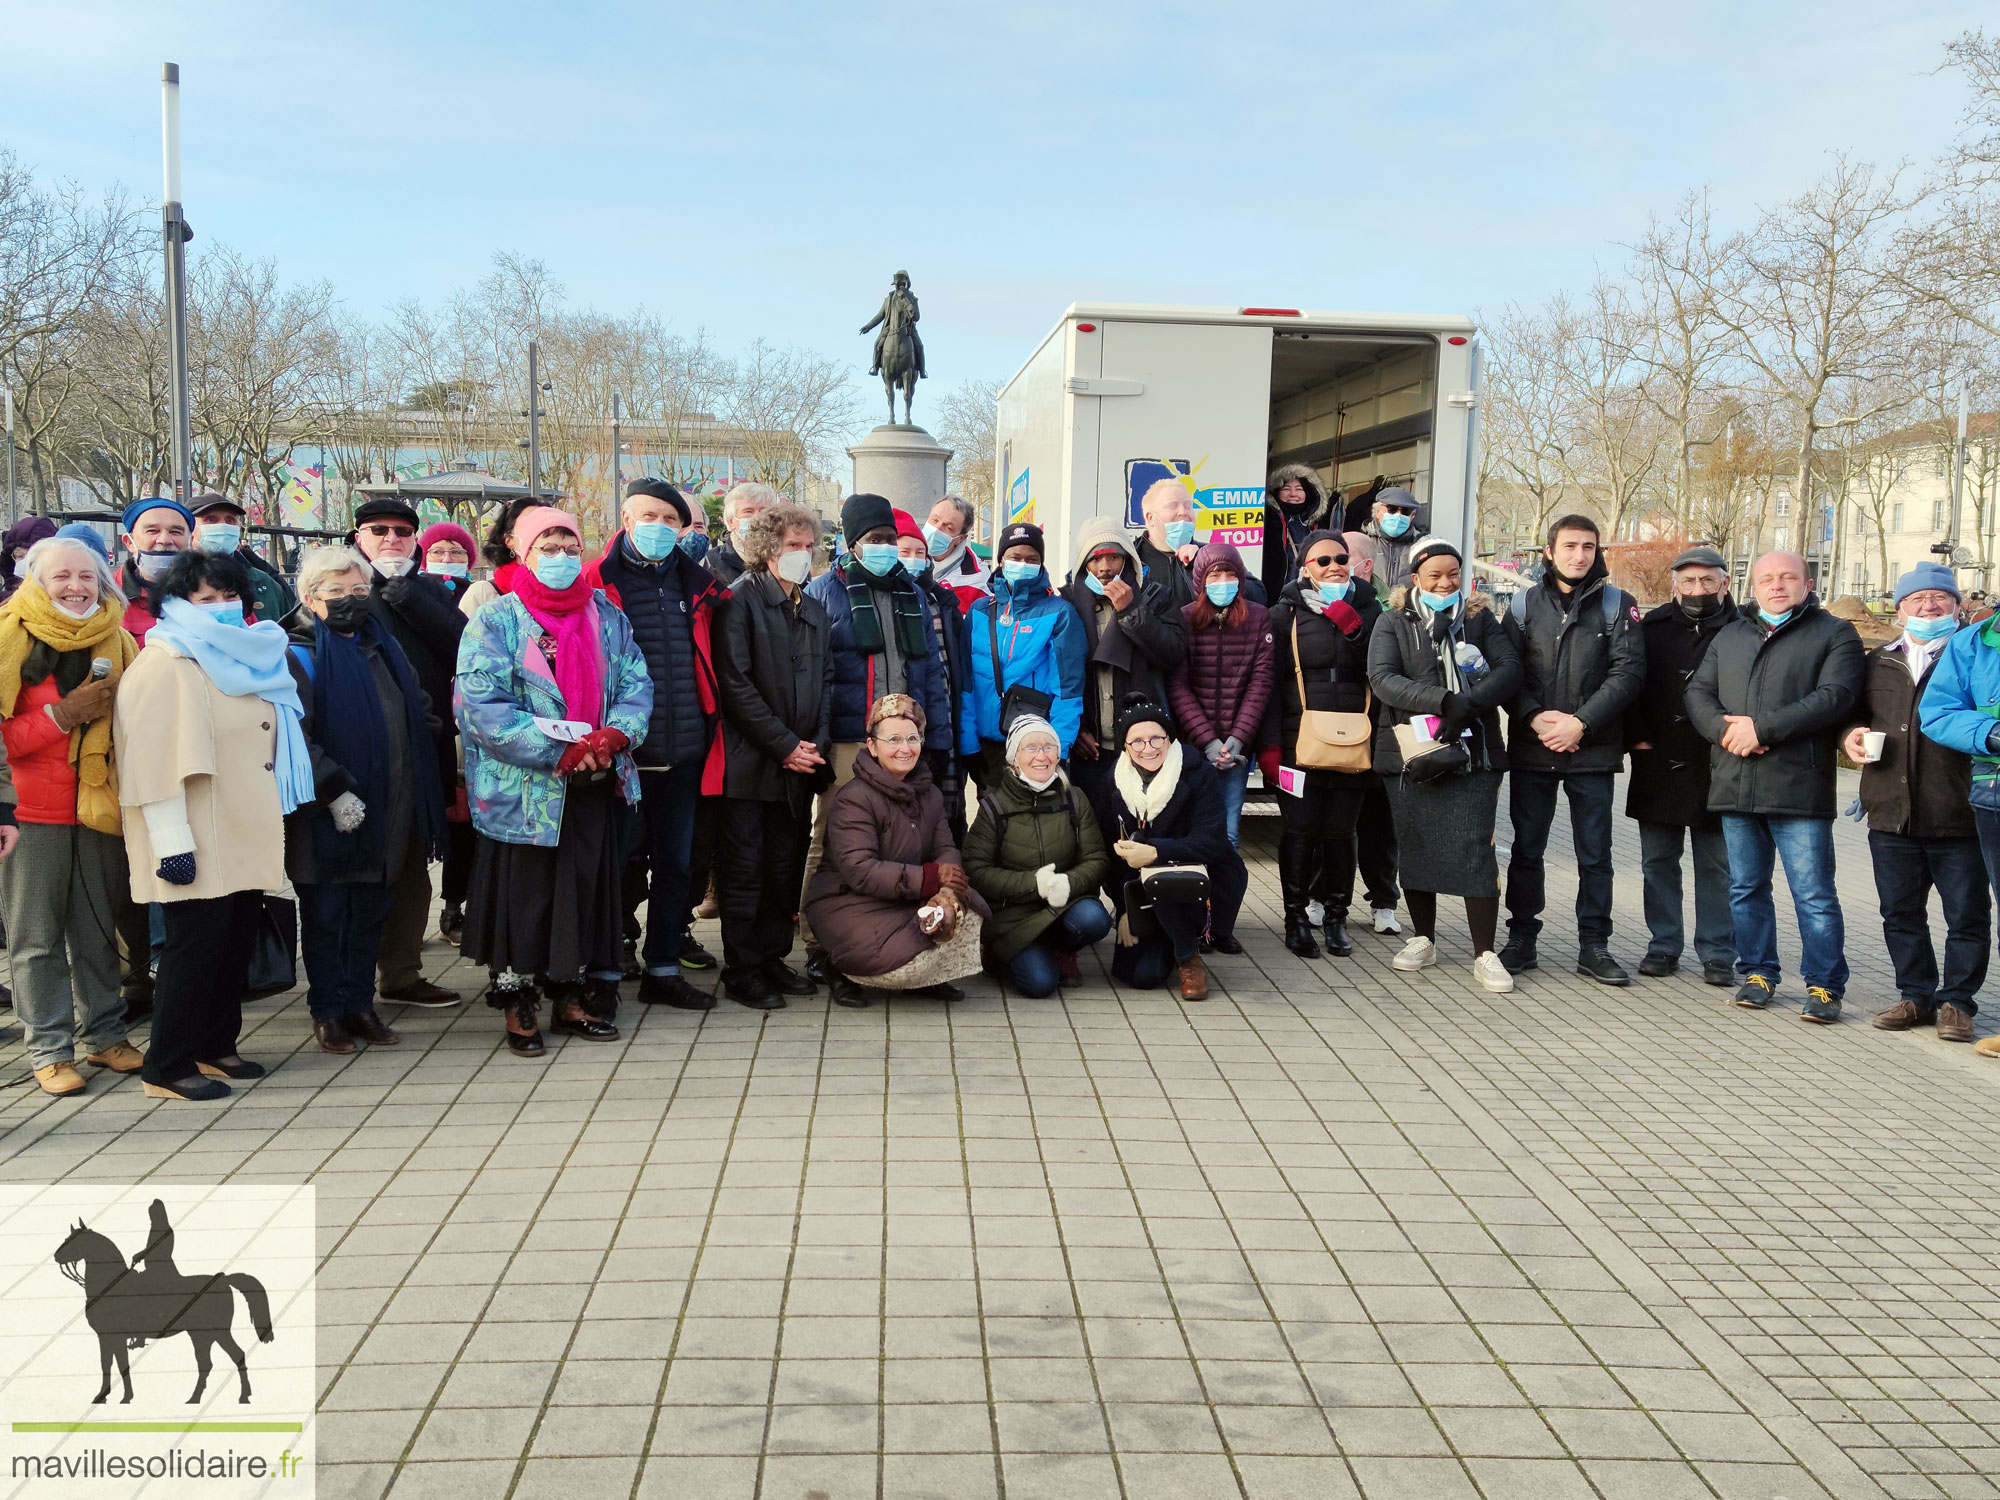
(100, 668)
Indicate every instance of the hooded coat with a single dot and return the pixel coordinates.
(1669, 781)
(1408, 677)
(1286, 527)
(1138, 648)
(1223, 689)
(1054, 826)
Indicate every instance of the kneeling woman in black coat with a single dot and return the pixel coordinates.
(1162, 807)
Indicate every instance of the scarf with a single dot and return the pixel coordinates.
(36, 638)
(246, 660)
(868, 638)
(347, 722)
(1146, 800)
(567, 615)
(506, 575)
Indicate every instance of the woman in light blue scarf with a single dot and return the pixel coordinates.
(214, 760)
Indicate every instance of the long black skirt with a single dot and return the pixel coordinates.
(552, 912)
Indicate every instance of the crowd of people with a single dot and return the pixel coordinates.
(908, 766)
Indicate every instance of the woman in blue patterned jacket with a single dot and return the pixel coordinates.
(551, 698)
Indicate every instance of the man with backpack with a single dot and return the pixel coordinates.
(1583, 660)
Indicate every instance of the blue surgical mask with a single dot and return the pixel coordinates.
(1222, 592)
(1332, 593)
(218, 538)
(154, 565)
(226, 611)
(1092, 582)
(1394, 523)
(1179, 533)
(1438, 602)
(1014, 570)
(558, 570)
(653, 539)
(447, 570)
(917, 567)
(1774, 621)
(939, 542)
(879, 558)
(1931, 630)
(694, 543)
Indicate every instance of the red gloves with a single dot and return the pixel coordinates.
(933, 881)
(601, 743)
(572, 758)
(1344, 616)
(1267, 762)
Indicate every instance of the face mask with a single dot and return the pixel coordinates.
(394, 567)
(1095, 584)
(346, 613)
(219, 539)
(743, 527)
(153, 565)
(795, 567)
(1222, 594)
(1179, 533)
(1931, 630)
(1332, 593)
(1394, 523)
(879, 558)
(939, 542)
(1774, 621)
(73, 614)
(1014, 570)
(917, 567)
(558, 570)
(226, 611)
(1699, 606)
(1038, 786)
(653, 540)
(449, 570)
(694, 543)
(1438, 602)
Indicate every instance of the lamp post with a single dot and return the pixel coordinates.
(535, 420)
(617, 467)
(175, 229)
(13, 495)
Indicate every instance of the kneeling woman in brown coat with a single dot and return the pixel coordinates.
(890, 901)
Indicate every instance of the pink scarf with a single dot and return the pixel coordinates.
(568, 616)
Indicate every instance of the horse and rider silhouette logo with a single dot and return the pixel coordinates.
(127, 1306)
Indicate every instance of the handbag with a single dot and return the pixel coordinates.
(1018, 699)
(1427, 759)
(274, 951)
(1159, 883)
(1328, 740)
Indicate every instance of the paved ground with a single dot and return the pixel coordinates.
(1338, 1231)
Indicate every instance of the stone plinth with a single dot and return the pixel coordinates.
(903, 464)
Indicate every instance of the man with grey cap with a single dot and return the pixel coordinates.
(1668, 789)
(1381, 549)
(1921, 831)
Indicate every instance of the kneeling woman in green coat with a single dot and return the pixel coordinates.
(1036, 856)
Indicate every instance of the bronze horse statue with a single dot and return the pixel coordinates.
(899, 350)
(126, 1307)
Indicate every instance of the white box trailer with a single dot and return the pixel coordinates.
(1121, 394)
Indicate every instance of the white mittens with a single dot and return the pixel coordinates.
(1054, 887)
(347, 810)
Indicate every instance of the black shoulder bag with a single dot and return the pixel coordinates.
(1018, 699)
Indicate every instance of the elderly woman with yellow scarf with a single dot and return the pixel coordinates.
(62, 651)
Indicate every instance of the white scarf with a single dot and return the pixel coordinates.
(1146, 801)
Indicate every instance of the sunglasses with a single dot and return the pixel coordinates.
(1337, 560)
(374, 530)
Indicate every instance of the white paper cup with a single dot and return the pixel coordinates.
(1873, 742)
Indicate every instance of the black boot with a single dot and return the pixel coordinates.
(1338, 945)
(1295, 865)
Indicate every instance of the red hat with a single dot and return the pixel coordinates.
(447, 531)
(906, 525)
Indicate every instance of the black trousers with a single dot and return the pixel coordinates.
(1905, 871)
(1376, 834)
(760, 868)
(1324, 820)
(458, 847)
(198, 991)
(1531, 808)
(701, 858)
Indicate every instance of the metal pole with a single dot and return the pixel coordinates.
(176, 232)
(13, 495)
(617, 467)
(1958, 466)
(535, 420)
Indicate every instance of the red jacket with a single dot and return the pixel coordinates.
(138, 619)
(38, 752)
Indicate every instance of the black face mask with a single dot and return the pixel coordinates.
(1699, 606)
(347, 613)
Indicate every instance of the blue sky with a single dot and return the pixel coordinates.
(760, 168)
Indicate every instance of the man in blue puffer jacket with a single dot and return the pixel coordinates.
(1039, 642)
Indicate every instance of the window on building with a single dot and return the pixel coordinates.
(1896, 518)
(1779, 538)
(1937, 515)
(1784, 505)
(1860, 521)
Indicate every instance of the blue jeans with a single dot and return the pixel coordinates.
(340, 927)
(1235, 782)
(1033, 971)
(1806, 846)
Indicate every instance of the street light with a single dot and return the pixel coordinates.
(175, 229)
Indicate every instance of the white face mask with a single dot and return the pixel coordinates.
(74, 614)
(1038, 786)
(795, 567)
(394, 567)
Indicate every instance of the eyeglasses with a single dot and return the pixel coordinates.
(1146, 742)
(555, 548)
(359, 591)
(372, 529)
(900, 741)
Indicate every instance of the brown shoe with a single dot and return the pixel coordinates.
(1194, 979)
(332, 1037)
(424, 993)
(367, 1026)
(1902, 1016)
(119, 1057)
(1954, 1025)
(60, 1078)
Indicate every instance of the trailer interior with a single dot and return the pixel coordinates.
(1355, 407)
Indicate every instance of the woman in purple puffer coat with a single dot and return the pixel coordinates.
(1220, 691)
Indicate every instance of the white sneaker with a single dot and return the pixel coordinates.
(1316, 913)
(1385, 920)
(1492, 974)
(1418, 953)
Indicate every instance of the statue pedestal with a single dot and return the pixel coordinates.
(903, 464)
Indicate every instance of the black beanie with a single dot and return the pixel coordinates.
(1138, 708)
(1022, 534)
(659, 489)
(1313, 538)
(861, 514)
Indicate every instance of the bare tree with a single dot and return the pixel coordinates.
(793, 409)
(1527, 420)
(967, 418)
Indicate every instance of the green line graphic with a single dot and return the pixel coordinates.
(158, 1427)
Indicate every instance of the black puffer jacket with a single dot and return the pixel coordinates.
(1334, 663)
(1669, 782)
(1588, 660)
(422, 618)
(1799, 683)
(776, 689)
(670, 604)
(1408, 677)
